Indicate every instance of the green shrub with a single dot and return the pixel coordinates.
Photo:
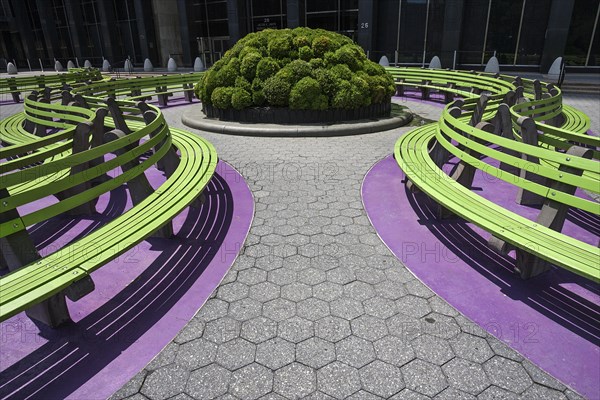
(240, 99)
(307, 95)
(301, 68)
(277, 91)
(249, 64)
(266, 68)
(280, 46)
(305, 53)
(221, 97)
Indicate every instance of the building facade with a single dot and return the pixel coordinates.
(526, 34)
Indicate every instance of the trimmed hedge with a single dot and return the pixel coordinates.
(301, 68)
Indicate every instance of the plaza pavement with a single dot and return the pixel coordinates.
(316, 306)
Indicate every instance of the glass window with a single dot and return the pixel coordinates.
(435, 28)
(412, 31)
(503, 29)
(533, 32)
(473, 31)
(580, 31)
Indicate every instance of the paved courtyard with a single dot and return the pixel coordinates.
(317, 307)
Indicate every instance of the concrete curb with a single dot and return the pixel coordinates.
(194, 118)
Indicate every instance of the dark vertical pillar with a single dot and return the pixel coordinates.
(48, 27)
(75, 21)
(21, 24)
(141, 25)
(293, 14)
(367, 12)
(106, 16)
(236, 20)
(557, 32)
(184, 32)
(452, 29)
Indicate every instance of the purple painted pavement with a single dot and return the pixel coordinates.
(551, 319)
(142, 299)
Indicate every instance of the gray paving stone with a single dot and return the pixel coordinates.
(424, 377)
(413, 306)
(258, 329)
(275, 353)
(332, 329)
(313, 309)
(381, 379)
(541, 377)
(296, 291)
(471, 348)
(391, 290)
(232, 291)
(408, 394)
(466, 376)
(315, 352)
(195, 354)
(222, 330)
(432, 349)
(416, 288)
(369, 327)
(542, 392)
(394, 350)
(245, 309)
(193, 330)
(347, 308)
(507, 374)
(208, 382)
(341, 275)
(501, 349)
(452, 393)
(295, 381)
(359, 290)
(296, 329)
(251, 382)
(363, 395)
(213, 309)
(328, 291)
(355, 351)
(380, 307)
(165, 382)
(236, 354)
(252, 276)
(279, 309)
(264, 291)
(496, 393)
(311, 276)
(338, 380)
(440, 325)
(370, 275)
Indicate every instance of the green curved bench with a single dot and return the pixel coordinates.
(563, 158)
(69, 163)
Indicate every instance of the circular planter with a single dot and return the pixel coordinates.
(284, 115)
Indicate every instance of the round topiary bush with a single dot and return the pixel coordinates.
(300, 69)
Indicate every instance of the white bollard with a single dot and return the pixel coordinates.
(87, 64)
(148, 67)
(198, 66)
(58, 66)
(492, 66)
(435, 63)
(105, 66)
(11, 69)
(171, 65)
(384, 62)
(128, 67)
(70, 64)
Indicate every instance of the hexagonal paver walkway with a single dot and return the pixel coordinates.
(329, 312)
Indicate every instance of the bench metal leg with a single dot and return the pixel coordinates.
(18, 250)
(529, 135)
